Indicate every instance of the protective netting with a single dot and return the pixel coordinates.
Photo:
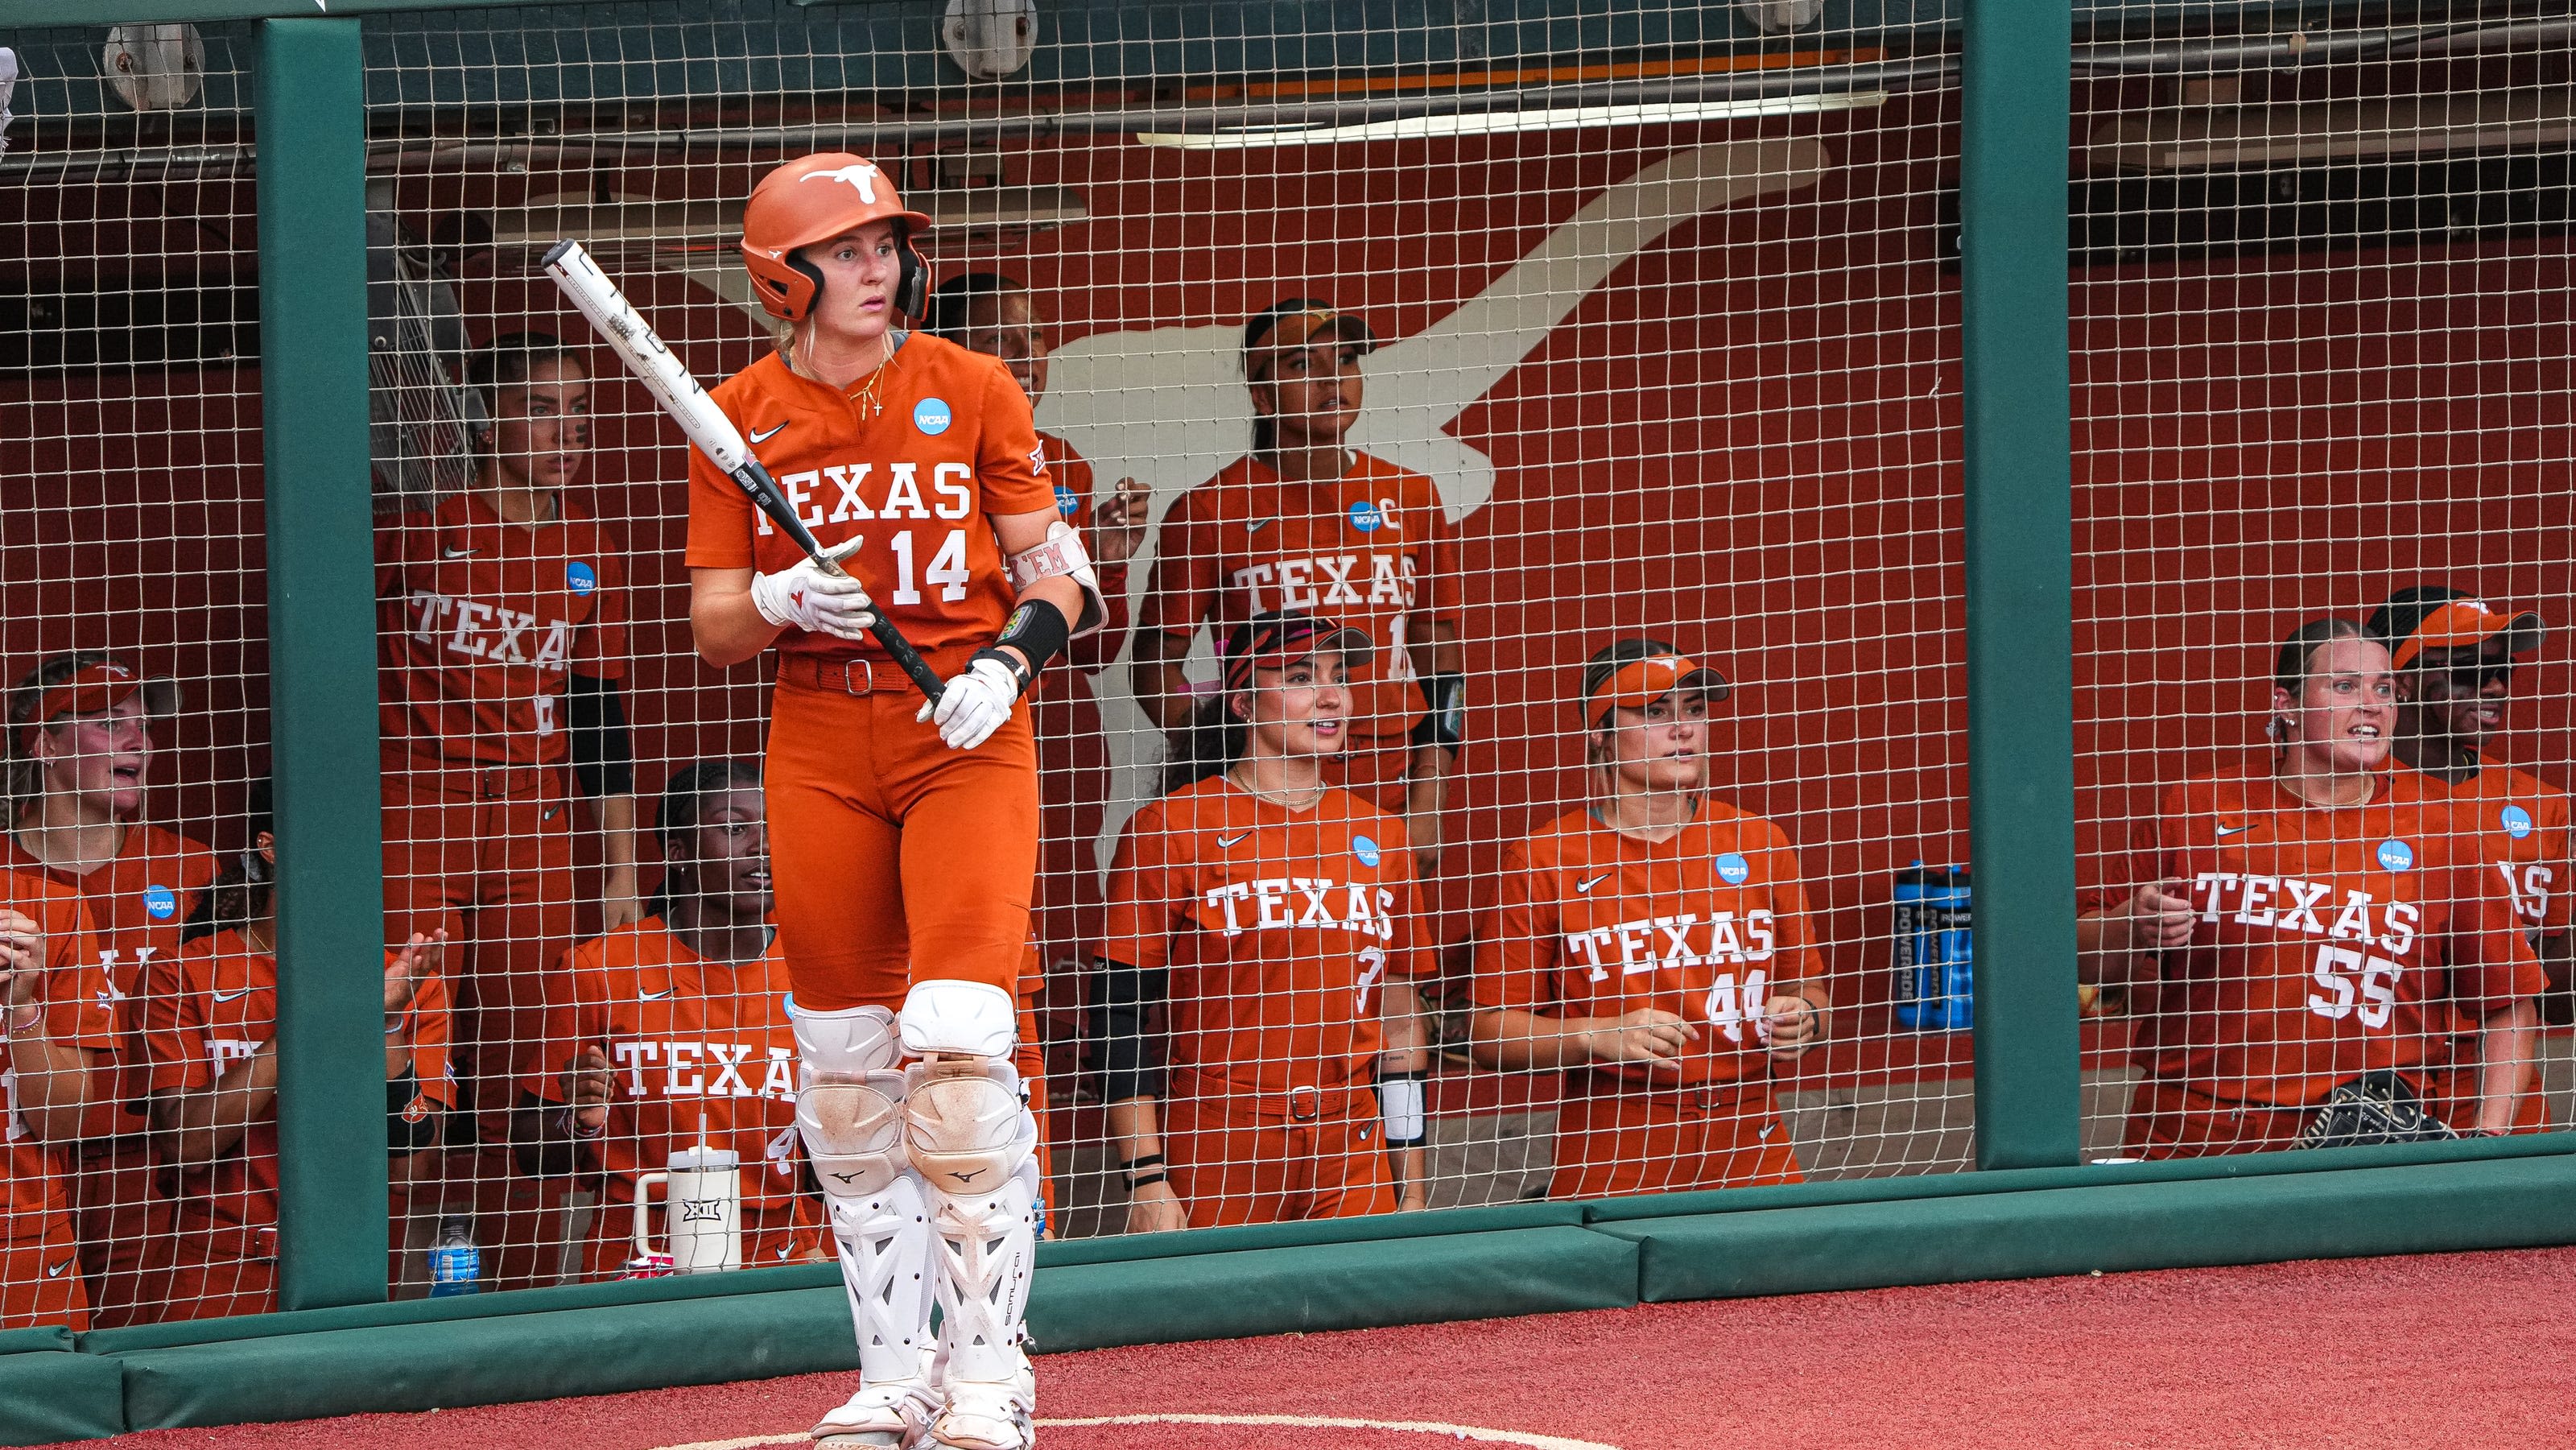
(1679, 365)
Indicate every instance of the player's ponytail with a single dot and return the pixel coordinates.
(1210, 745)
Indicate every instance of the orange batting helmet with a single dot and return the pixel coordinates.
(814, 199)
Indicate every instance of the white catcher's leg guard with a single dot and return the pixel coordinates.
(849, 1112)
(973, 1144)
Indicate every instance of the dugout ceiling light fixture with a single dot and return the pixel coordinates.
(1500, 122)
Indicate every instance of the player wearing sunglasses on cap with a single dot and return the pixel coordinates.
(2455, 655)
(1271, 918)
(84, 731)
(1305, 522)
(1653, 947)
(2306, 932)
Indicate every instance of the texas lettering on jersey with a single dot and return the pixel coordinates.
(2327, 942)
(1709, 926)
(917, 485)
(1279, 929)
(481, 621)
(1373, 550)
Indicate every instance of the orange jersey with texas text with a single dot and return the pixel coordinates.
(2520, 824)
(1373, 550)
(138, 904)
(479, 622)
(693, 1046)
(215, 1004)
(2329, 942)
(1279, 929)
(79, 1012)
(919, 484)
(1708, 925)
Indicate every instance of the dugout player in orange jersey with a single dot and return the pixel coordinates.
(1272, 916)
(2455, 657)
(1653, 947)
(1306, 523)
(676, 1033)
(58, 1034)
(80, 747)
(904, 831)
(209, 1027)
(2305, 933)
(997, 316)
(502, 636)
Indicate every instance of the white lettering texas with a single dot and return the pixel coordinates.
(2286, 903)
(1327, 580)
(1666, 943)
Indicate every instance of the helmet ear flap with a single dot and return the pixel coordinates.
(912, 281)
(799, 307)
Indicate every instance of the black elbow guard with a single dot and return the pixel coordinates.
(1445, 723)
(602, 749)
(411, 1120)
(1131, 1060)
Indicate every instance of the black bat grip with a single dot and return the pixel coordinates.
(755, 481)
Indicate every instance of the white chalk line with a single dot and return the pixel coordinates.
(1473, 1433)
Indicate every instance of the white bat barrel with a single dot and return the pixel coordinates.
(634, 339)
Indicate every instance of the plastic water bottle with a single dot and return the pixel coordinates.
(455, 1263)
(1934, 954)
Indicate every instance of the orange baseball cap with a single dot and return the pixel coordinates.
(2437, 617)
(86, 684)
(1635, 673)
(1294, 322)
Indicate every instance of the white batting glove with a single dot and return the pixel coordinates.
(974, 703)
(809, 599)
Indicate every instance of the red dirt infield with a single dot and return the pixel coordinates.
(2454, 1349)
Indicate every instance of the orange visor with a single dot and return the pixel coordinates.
(1640, 683)
(2463, 624)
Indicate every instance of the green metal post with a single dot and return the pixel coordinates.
(322, 663)
(2020, 604)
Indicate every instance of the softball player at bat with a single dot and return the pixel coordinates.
(502, 636)
(81, 746)
(904, 831)
(1272, 917)
(2454, 657)
(675, 1033)
(1305, 523)
(57, 1037)
(1654, 948)
(2306, 932)
(210, 1028)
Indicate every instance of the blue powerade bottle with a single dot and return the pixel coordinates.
(455, 1263)
(1935, 962)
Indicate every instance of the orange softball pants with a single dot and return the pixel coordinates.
(123, 1226)
(895, 858)
(1238, 1157)
(1667, 1140)
(40, 1278)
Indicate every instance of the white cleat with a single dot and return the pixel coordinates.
(894, 1414)
(986, 1417)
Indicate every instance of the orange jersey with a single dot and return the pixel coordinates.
(2521, 826)
(1708, 925)
(2329, 941)
(1373, 551)
(79, 1012)
(215, 1004)
(692, 1045)
(138, 903)
(919, 484)
(480, 620)
(1278, 929)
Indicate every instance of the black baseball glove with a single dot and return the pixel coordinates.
(2377, 1107)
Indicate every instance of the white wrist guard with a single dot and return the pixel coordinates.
(1062, 556)
(1400, 1103)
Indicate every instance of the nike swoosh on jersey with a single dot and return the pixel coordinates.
(2237, 830)
(458, 553)
(655, 996)
(1257, 525)
(1228, 843)
(224, 996)
(1584, 888)
(773, 432)
(56, 1271)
